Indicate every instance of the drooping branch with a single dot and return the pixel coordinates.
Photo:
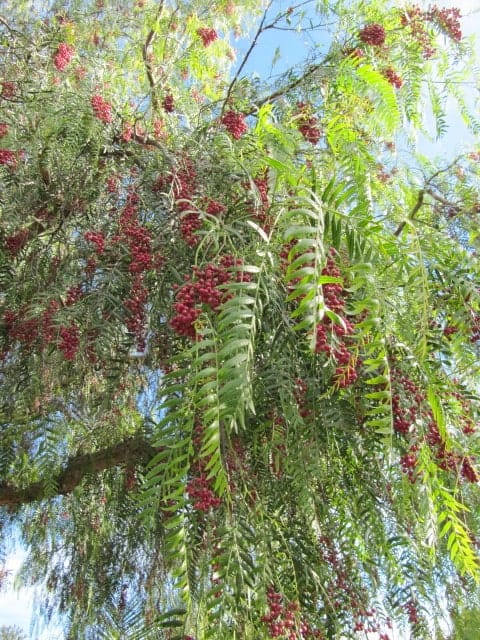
(131, 451)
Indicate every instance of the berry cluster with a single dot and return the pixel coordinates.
(3, 129)
(98, 240)
(136, 236)
(204, 291)
(199, 487)
(280, 619)
(343, 593)
(307, 124)
(373, 34)
(168, 103)
(135, 304)
(331, 338)
(207, 35)
(408, 462)
(183, 186)
(159, 128)
(74, 294)
(408, 406)
(20, 327)
(127, 132)
(15, 243)
(8, 157)
(63, 56)
(101, 108)
(200, 492)
(448, 20)
(215, 208)
(392, 76)
(412, 612)
(260, 210)
(9, 89)
(414, 19)
(69, 341)
(234, 123)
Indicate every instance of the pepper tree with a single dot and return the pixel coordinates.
(239, 318)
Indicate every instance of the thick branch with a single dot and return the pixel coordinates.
(131, 451)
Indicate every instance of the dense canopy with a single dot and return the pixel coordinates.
(239, 317)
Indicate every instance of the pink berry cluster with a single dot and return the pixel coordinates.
(74, 294)
(373, 34)
(414, 18)
(412, 612)
(409, 408)
(235, 124)
(63, 56)
(101, 108)
(135, 305)
(136, 236)
(260, 211)
(343, 593)
(15, 242)
(69, 341)
(282, 619)
(127, 132)
(8, 157)
(207, 35)
(300, 393)
(138, 239)
(201, 293)
(3, 129)
(448, 20)
(168, 103)
(215, 208)
(308, 124)
(8, 89)
(332, 338)
(199, 487)
(98, 239)
(393, 78)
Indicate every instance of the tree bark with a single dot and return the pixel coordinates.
(131, 451)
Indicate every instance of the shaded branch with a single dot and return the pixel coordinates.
(131, 451)
(413, 213)
(146, 49)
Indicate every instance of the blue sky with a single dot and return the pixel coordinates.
(16, 606)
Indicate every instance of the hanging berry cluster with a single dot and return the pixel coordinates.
(199, 486)
(393, 78)
(63, 56)
(259, 209)
(343, 594)
(101, 108)
(201, 293)
(8, 157)
(139, 242)
(69, 341)
(373, 34)
(15, 242)
(410, 410)
(446, 20)
(183, 186)
(234, 123)
(414, 19)
(207, 35)
(307, 124)
(168, 103)
(332, 338)
(282, 619)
